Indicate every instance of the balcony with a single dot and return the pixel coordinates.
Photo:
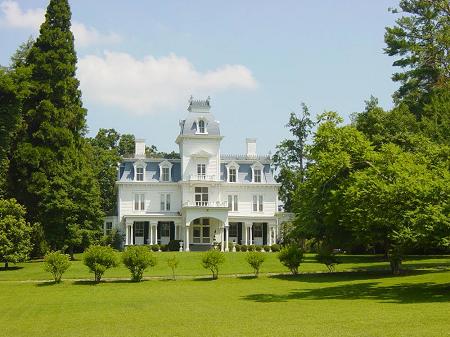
(201, 177)
(208, 204)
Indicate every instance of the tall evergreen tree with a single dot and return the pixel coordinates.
(50, 172)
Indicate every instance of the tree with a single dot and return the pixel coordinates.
(126, 145)
(56, 264)
(212, 260)
(137, 259)
(14, 232)
(50, 171)
(327, 257)
(173, 263)
(99, 259)
(291, 154)
(420, 42)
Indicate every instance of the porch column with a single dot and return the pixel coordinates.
(226, 236)
(250, 233)
(128, 239)
(222, 239)
(275, 235)
(269, 234)
(246, 234)
(186, 242)
(132, 234)
(156, 233)
(152, 237)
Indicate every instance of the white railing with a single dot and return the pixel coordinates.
(203, 177)
(205, 204)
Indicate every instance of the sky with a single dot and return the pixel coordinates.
(139, 61)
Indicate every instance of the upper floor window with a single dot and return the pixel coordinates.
(165, 202)
(139, 173)
(232, 175)
(233, 203)
(201, 126)
(232, 172)
(201, 196)
(258, 203)
(165, 169)
(139, 202)
(201, 171)
(257, 178)
(257, 169)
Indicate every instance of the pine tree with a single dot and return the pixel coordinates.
(50, 172)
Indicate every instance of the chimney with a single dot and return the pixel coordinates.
(251, 147)
(139, 148)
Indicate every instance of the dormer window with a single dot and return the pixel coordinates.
(257, 169)
(201, 126)
(257, 175)
(165, 171)
(232, 172)
(232, 177)
(139, 169)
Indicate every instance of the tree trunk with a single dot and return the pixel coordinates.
(6, 265)
(72, 257)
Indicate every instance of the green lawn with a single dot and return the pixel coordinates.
(354, 303)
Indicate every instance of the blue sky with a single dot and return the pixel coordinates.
(139, 61)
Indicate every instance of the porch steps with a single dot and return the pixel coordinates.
(199, 248)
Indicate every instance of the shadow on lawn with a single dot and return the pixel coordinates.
(402, 293)
(11, 268)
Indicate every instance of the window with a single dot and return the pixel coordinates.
(139, 229)
(139, 174)
(233, 203)
(233, 230)
(165, 202)
(201, 126)
(139, 202)
(201, 171)
(257, 176)
(232, 175)
(165, 171)
(257, 203)
(257, 230)
(201, 196)
(108, 227)
(165, 174)
(201, 231)
(165, 229)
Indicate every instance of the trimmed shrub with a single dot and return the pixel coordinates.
(275, 247)
(164, 248)
(174, 245)
(154, 248)
(173, 263)
(230, 246)
(137, 259)
(291, 256)
(328, 258)
(243, 248)
(99, 259)
(238, 248)
(211, 260)
(251, 248)
(56, 263)
(255, 260)
(258, 248)
(266, 248)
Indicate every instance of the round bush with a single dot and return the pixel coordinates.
(211, 260)
(275, 247)
(99, 259)
(291, 256)
(243, 248)
(266, 248)
(255, 260)
(137, 259)
(56, 263)
(155, 248)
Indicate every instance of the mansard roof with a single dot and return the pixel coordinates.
(199, 110)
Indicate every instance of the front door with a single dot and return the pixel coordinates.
(258, 234)
(139, 233)
(201, 231)
(164, 233)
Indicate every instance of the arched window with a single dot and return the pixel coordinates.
(232, 172)
(201, 126)
(165, 171)
(139, 171)
(257, 171)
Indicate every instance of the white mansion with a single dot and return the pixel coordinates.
(201, 198)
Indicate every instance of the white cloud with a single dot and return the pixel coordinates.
(148, 85)
(86, 36)
(15, 17)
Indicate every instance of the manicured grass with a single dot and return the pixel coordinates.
(359, 303)
(190, 265)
